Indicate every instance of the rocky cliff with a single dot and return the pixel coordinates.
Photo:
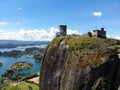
(84, 63)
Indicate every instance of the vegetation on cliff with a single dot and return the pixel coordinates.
(89, 50)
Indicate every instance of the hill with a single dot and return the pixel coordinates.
(80, 63)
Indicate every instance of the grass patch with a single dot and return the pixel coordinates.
(20, 86)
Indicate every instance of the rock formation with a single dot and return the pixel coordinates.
(84, 63)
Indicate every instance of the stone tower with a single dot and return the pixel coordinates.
(63, 30)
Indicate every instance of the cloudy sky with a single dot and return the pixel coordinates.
(39, 19)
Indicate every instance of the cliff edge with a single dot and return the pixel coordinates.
(84, 63)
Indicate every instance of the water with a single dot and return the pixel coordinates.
(22, 48)
(8, 61)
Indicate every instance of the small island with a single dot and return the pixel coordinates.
(18, 66)
(1, 63)
(14, 80)
(38, 57)
(19, 53)
(13, 74)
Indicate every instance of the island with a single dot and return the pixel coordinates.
(38, 57)
(14, 53)
(14, 73)
(14, 80)
(18, 66)
(19, 53)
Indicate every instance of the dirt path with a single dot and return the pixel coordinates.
(35, 80)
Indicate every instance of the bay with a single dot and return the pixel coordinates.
(8, 61)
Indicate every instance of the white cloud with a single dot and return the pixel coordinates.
(115, 37)
(19, 8)
(35, 34)
(2, 23)
(97, 14)
(70, 31)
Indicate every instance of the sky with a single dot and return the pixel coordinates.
(39, 19)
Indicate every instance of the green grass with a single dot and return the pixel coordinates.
(86, 43)
(20, 86)
(82, 43)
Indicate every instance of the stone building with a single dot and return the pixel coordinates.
(99, 33)
(62, 30)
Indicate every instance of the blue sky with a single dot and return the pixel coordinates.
(25, 17)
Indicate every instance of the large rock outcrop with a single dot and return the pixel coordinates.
(84, 63)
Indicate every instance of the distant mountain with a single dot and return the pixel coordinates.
(15, 43)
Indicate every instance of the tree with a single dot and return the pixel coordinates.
(89, 34)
